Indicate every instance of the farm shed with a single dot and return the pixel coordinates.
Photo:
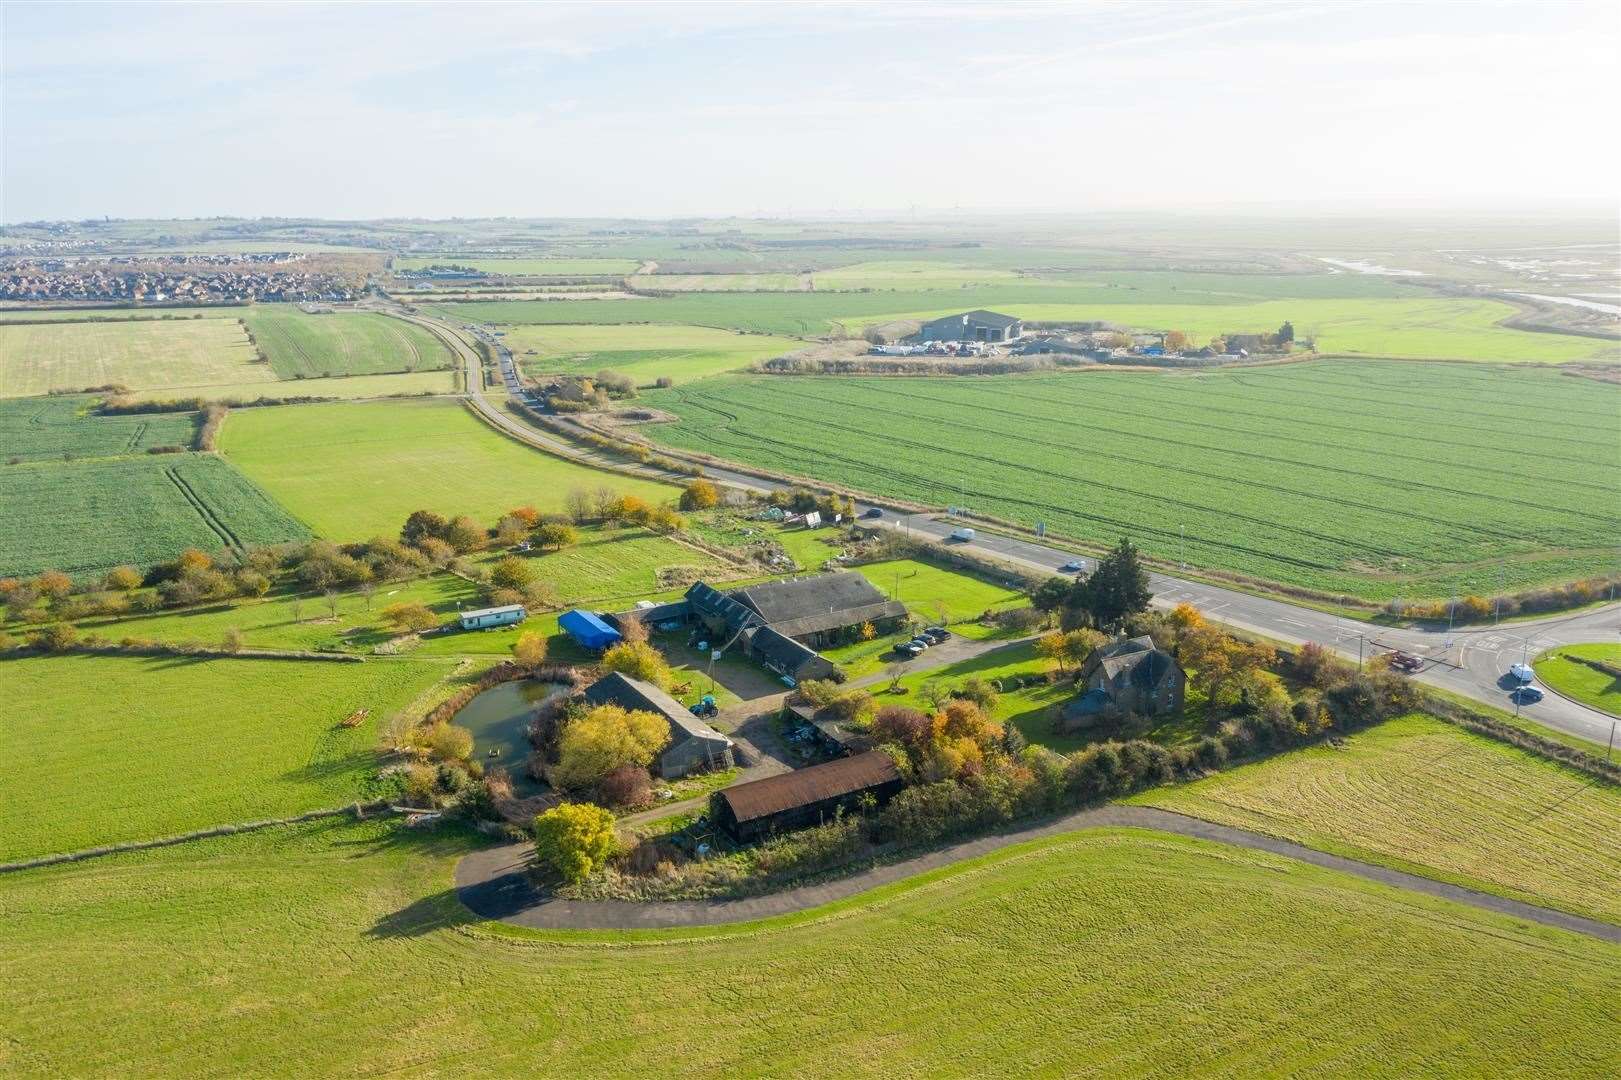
(483, 618)
(978, 325)
(786, 656)
(804, 797)
(589, 631)
(693, 745)
(814, 610)
(836, 737)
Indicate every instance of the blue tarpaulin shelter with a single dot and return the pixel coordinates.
(588, 630)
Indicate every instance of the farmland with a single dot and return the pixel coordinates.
(349, 387)
(1428, 797)
(1576, 680)
(560, 267)
(645, 353)
(149, 354)
(302, 950)
(85, 517)
(126, 748)
(50, 427)
(1449, 479)
(716, 282)
(351, 471)
(302, 346)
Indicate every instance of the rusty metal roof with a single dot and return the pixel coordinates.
(802, 787)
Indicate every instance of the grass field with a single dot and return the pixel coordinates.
(34, 429)
(911, 274)
(344, 387)
(119, 314)
(85, 517)
(1585, 684)
(329, 949)
(520, 267)
(304, 346)
(1364, 478)
(645, 353)
(174, 355)
(126, 748)
(354, 471)
(1425, 796)
(715, 282)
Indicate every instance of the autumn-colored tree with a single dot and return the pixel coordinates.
(423, 525)
(627, 508)
(526, 514)
(1184, 618)
(1051, 646)
(464, 535)
(639, 660)
(530, 649)
(511, 573)
(575, 839)
(602, 740)
(408, 615)
(701, 494)
(1177, 341)
(511, 529)
(557, 535)
(866, 631)
(1079, 643)
(192, 559)
(54, 584)
(122, 579)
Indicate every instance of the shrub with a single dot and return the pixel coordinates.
(511, 573)
(122, 579)
(59, 637)
(639, 660)
(575, 839)
(530, 649)
(556, 535)
(1210, 753)
(604, 739)
(450, 743)
(410, 615)
(700, 495)
(627, 786)
(232, 641)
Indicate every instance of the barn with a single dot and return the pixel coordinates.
(804, 797)
(693, 744)
(978, 325)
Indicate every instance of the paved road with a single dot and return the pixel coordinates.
(1471, 662)
(493, 883)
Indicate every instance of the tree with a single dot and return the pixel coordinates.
(701, 494)
(530, 649)
(408, 615)
(639, 660)
(511, 573)
(122, 579)
(422, 525)
(58, 638)
(449, 743)
(1051, 646)
(633, 628)
(192, 559)
(578, 503)
(1117, 588)
(1177, 341)
(575, 839)
(510, 530)
(628, 785)
(1286, 333)
(526, 514)
(557, 535)
(1079, 643)
(1051, 594)
(232, 641)
(464, 534)
(54, 584)
(602, 740)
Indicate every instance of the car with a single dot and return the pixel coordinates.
(874, 512)
(1405, 662)
(937, 634)
(963, 536)
(907, 649)
(921, 642)
(1522, 674)
(1526, 695)
(1074, 566)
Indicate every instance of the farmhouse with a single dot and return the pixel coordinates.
(803, 797)
(693, 745)
(1129, 676)
(483, 618)
(977, 325)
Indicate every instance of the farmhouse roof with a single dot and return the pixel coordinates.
(616, 688)
(802, 787)
(1137, 658)
(813, 599)
(706, 599)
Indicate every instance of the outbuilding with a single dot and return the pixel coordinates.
(693, 745)
(588, 630)
(804, 797)
(977, 325)
(484, 618)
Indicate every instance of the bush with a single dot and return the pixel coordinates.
(450, 743)
(530, 649)
(57, 638)
(700, 495)
(627, 786)
(511, 573)
(575, 839)
(604, 739)
(639, 660)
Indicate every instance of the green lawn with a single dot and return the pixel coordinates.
(340, 950)
(356, 470)
(645, 353)
(304, 346)
(177, 356)
(1371, 479)
(1587, 685)
(85, 517)
(110, 749)
(38, 428)
(1426, 796)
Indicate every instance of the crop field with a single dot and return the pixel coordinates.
(1587, 685)
(148, 354)
(1422, 795)
(302, 346)
(910, 274)
(1361, 478)
(645, 353)
(348, 388)
(561, 267)
(34, 429)
(351, 471)
(122, 314)
(716, 282)
(88, 516)
(303, 950)
(131, 748)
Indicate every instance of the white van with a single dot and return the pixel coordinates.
(965, 535)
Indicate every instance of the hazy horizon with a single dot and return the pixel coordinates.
(655, 112)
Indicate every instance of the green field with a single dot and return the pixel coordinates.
(177, 355)
(126, 748)
(354, 471)
(1365, 478)
(520, 267)
(1587, 685)
(304, 346)
(715, 282)
(910, 274)
(1425, 796)
(645, 353)
(85, 517)
(327, 949)
(120, 314)
(34, 429)
(413, 383)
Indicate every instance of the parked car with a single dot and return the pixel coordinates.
(1526, 695)
(921, 642)
(874, 512)
(1074, 566)
(907, 649)
(937, 634)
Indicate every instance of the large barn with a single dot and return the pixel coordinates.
(803, 797)
(693, 744)
(979, 325)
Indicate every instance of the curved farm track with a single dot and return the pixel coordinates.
(493, 884)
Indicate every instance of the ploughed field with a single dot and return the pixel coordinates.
(1363, 478)
(339, 949)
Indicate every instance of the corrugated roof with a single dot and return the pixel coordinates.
(802, 787)
(479, 613)
(817, 595)
(620, 689)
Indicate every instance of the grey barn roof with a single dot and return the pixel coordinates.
(819, 602)
(619, 689)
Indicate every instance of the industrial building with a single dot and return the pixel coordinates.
(980, 325)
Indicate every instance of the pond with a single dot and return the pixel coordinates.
(497, 718)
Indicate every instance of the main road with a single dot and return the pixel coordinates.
(1473, 662)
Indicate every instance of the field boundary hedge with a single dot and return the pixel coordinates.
(205, 652)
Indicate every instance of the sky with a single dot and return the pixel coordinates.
(671, 110)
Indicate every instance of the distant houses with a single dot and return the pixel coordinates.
(1133, 676)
